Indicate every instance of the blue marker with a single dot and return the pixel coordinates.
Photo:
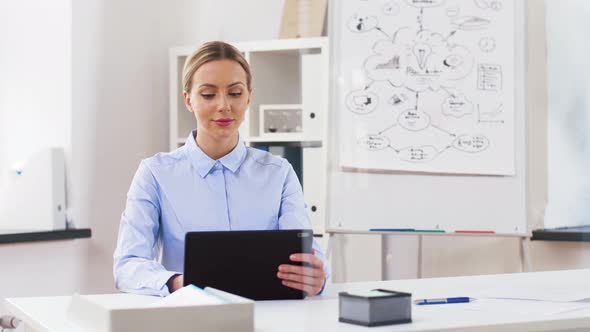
(392, 230)
(448, 300)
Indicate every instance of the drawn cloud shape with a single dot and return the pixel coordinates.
(362, 102)
(470, 23)
(471, 143)
(418, 61)
(362, 23)
(388, 64)
(414, 120)
(374, 142)
(418, 154)
(457, 106)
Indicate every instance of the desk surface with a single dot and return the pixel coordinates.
(321, 313)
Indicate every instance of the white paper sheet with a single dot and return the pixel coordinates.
(562, 294)
(189, 295)
(524, 307)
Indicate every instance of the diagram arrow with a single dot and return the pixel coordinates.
(394, 149)
(449, 92)
(421, 19)
(385, 33)
(451, 34)
(444, 131)
(386, 129)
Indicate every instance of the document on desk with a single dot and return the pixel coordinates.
(190, 295)
(511, 307)
(560, 294)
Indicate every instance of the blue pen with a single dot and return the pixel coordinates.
(447, 300)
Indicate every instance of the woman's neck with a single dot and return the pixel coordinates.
(216, 148)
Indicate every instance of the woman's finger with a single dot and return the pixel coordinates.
(308, 258)
(310, 290)
(298, 278)
(303, 270)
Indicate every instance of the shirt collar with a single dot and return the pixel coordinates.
(204, 164)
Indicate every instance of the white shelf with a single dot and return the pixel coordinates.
(274, 45)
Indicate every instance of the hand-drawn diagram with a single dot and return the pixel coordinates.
(429, 100)
(391, 8)
(487, 44)
(489, 4)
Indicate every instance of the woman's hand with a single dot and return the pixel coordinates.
(309, 279)
(175, 283)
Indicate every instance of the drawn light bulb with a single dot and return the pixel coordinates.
(422, 52)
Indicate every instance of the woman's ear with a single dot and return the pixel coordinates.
(187, 101)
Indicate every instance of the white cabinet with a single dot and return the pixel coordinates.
(288, 108)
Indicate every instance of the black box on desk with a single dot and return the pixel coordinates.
(375, 308)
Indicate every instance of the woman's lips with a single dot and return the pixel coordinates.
(224, 122)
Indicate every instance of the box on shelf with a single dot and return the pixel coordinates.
(281, 120)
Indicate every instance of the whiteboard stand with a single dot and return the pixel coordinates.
(338, 261)
(335, 250)
(386, 257)
(525, 254)
(420, 260)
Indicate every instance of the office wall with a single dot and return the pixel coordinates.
(569, 123)
(35, 78)
(91, 76)
(35, 112)
(120, 103)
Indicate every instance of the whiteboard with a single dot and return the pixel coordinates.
(427, 85)
(419, 188)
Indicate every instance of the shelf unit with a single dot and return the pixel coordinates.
(285, 72)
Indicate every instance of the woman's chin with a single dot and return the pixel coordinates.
(225, 133)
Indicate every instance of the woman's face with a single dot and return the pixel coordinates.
(219, 98)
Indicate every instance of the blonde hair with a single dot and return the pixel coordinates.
(210, 51)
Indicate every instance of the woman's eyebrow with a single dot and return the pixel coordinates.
(209, 85)
(235, 83)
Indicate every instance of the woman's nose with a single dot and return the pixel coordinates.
(224, 104)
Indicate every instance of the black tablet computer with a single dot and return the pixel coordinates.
(244, 263)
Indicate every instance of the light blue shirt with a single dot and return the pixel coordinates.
(185, 190)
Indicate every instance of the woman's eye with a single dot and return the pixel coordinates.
(235, 94)
(207, 95)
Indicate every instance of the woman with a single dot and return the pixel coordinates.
(214, 182)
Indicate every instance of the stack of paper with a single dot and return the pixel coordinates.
(189, 295)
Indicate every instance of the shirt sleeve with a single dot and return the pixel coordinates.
(293, 214)
(136, 267)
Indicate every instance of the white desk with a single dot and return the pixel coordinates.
(321, 313)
